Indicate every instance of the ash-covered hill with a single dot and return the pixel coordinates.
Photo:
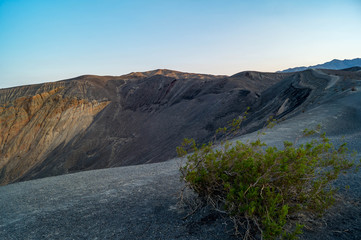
(94, 122)
(141, 202)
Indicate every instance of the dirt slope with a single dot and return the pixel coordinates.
(93, 122)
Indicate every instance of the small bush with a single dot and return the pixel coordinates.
(260, 187)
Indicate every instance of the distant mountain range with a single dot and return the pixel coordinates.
(334, 64)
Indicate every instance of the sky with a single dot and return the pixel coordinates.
(44, 41)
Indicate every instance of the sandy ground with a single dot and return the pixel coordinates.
(137, 202)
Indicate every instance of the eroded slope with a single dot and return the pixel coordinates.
(93, 122)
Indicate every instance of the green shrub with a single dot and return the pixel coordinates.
(260, 187)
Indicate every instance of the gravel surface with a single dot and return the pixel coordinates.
(137, 202)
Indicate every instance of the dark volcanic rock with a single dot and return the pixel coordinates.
(94, 122)
(140, 202)
(141, 118)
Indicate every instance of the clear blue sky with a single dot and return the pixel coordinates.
(46, 40)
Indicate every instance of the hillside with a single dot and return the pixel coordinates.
(93, 122)
(141, 202)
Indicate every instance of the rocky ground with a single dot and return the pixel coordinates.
(137, 202)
